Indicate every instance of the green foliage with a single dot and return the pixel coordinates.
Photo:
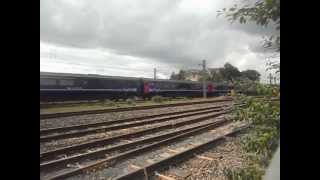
(180, 76)
(262, 12)
(157, 99)
(107, 102)
(229, 72)
(253, 75)
(264, 116)
(247, 173)
(246, 86)
(204, 75)
(130, 101)
(216, 76)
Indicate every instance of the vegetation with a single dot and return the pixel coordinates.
(252, 75)
(263, 115)
(157, 99)
(107, 102)
(228, 73)
(180, 76)
(246, 86)
(216, 76)
(262, 12)
(247, 173)
(130, 101)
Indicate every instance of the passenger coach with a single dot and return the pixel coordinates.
(63, 86)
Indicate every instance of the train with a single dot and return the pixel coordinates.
(70, 87)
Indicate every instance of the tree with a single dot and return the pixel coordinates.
(216, 76)
(253, 75)
(262, 12)
(173, 76)
(180, 76)
(230, 73)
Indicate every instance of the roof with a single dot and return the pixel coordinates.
(82, 75)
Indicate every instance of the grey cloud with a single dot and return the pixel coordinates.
(147, 28)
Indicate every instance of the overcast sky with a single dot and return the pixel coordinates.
(131, 37)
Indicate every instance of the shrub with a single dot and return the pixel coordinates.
(107, 102)
(263, 116)
(247, 173)
(157, 99)
(130, 101)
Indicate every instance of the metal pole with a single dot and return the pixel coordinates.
(154, 73)
(204, 87)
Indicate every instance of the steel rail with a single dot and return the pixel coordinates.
(120, 126)
(105, 123)
(133, 152)
(99, 111)
(102, 152)
(145, 172)
(51, 154)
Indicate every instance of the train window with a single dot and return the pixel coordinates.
(66, 82)
(84, 82)
(184, 86)
(47, 81)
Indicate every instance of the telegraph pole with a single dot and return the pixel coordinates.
(204, 87)
(154, 73)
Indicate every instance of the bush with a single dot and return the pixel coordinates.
(157, 99)
(107, 102)
(130, 101)
(247, 173)
(263, 116)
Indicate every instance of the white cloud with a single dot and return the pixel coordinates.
(130, 38)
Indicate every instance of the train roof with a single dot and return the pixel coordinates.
(52, 74)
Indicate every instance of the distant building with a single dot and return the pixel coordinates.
(192, 74)
(195, 74)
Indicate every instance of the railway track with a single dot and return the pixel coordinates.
(77, 159)
(47, 131)
(121, 147)
(151, 170)
(80, 130)
(49, 155)
(99, 111)
(154, 142)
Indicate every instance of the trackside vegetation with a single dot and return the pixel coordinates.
(263, 137)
